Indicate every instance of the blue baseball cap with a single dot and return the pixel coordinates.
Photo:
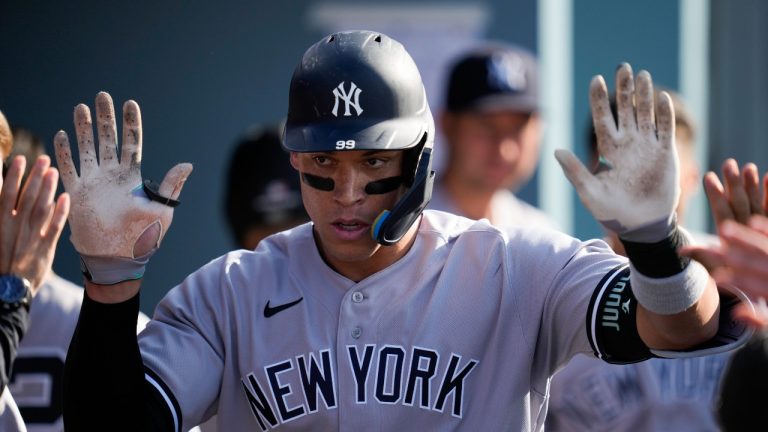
(494, 78)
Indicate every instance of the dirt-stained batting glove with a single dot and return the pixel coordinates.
(637, 196)
(117, 221)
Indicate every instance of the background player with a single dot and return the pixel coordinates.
(375, 315)
(492, 132)
(262, 193)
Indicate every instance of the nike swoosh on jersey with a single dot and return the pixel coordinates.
(270, 311)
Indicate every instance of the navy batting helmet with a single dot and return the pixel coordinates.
(361, 90)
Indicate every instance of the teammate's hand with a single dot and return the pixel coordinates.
(741, 257)
(740, 198)
(737, 201)
(30, 220)
(111, 215)
(641, 186)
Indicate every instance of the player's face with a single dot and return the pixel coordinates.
(342, 217)
(690, 176)
(493, 150)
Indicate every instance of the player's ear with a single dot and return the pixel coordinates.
(295, 163)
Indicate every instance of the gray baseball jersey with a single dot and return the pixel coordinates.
(508, 211)
(463, 332)
(10, 418)
(654, 395)
(36, 378)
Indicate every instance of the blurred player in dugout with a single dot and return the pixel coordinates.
(492, 130)
(262, 193)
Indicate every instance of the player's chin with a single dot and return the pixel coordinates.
(351, 252)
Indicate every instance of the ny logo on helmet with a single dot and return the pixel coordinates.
(339, 93)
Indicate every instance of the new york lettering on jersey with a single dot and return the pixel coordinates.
(398, 378)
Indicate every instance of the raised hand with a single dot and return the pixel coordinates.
(641, 186)
(115, 224)
(740, 197)
(30, 220)
(741, 259)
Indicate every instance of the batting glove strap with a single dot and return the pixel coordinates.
(113, 270)
(651, 232)
(673, 294)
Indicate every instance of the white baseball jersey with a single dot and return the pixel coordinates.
(37, 375)
(507, 210)
(463, 332)
(654, 395)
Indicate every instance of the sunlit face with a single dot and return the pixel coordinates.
(492, 150)
(343, 216)
(690, 175)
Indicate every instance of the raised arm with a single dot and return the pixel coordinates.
(117, 223)
(30, 225)
(636, 198)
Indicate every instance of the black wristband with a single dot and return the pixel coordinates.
(660, 259)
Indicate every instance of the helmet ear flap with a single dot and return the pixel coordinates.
(390, 226)
(411, 160)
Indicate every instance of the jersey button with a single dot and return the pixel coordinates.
(357, 297)
(356, 332)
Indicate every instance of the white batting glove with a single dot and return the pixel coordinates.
(115, 225)
(638, 195)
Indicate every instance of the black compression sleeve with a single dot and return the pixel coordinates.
(13, 325)
(104, 385)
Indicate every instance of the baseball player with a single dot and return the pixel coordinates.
(262, 193)
(376, 315)
(30, 224)
(492, 131)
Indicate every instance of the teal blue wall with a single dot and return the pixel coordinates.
(645, 34)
